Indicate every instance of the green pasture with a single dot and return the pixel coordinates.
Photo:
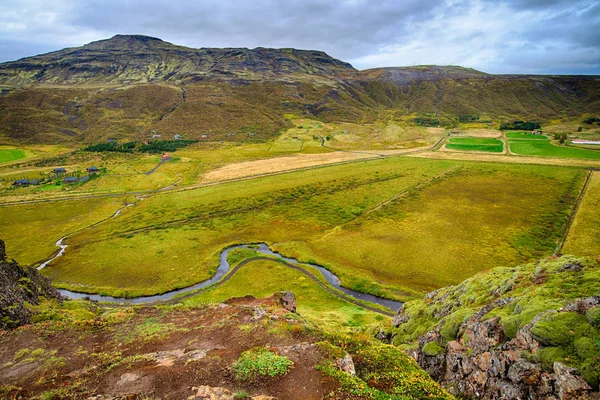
(545, 148)
(476, 144)
(394, 227)
(525, 135)
(7, 155)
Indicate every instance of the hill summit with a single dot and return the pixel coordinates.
(126, 59)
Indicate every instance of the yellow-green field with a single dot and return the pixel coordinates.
(584, 235)
(395, 226)
(31, 230)
(263, 278)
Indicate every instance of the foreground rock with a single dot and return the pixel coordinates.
(512, 333)
(19, 287)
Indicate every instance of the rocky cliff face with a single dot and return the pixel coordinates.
(19, 286)
(515, 333)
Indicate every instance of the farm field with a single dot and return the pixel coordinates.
(524, 135)
(476, 144)
(545, 148)
(373, 223)
(584, 235)
(7, 155)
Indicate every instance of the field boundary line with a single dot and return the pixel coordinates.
(573, 213)
(405, 191)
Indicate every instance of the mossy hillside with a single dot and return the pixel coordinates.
(382, 371)
(542, 287)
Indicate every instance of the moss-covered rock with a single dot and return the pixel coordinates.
(433, 349)
(542, 313)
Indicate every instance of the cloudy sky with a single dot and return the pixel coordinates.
(512, 36)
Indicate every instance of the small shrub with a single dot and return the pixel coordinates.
(259, 362)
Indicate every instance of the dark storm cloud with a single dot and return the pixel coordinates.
(516, 36)
(345, 29)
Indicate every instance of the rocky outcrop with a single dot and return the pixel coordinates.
(484, 363)
(17, 287)
(287, 300)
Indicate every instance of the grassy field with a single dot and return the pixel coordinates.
(545, 148)
(386, 226)
(263, 278)
(476, 144)
(584, 235)
(525, 135)
(7, 155)
(30, 231)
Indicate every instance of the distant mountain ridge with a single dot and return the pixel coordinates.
(128, 85)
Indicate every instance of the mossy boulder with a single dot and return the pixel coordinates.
(561, 329)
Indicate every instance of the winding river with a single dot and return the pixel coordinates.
(224, 267)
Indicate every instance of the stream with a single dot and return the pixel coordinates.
(224, 267)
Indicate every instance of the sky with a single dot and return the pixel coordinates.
(512, 36)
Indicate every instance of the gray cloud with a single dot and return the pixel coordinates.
(513, 36)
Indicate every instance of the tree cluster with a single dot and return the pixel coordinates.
(520, 125)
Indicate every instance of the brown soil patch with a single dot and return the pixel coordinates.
(160, 354)
(287, 163)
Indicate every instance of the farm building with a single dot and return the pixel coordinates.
(92, 170)
(59, 170)
(22, 182)
(582, 141)
(70, 179)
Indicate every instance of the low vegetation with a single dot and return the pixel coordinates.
(260, 363)
(382, 371)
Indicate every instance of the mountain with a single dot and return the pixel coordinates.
(129, 85)
(126, 59)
